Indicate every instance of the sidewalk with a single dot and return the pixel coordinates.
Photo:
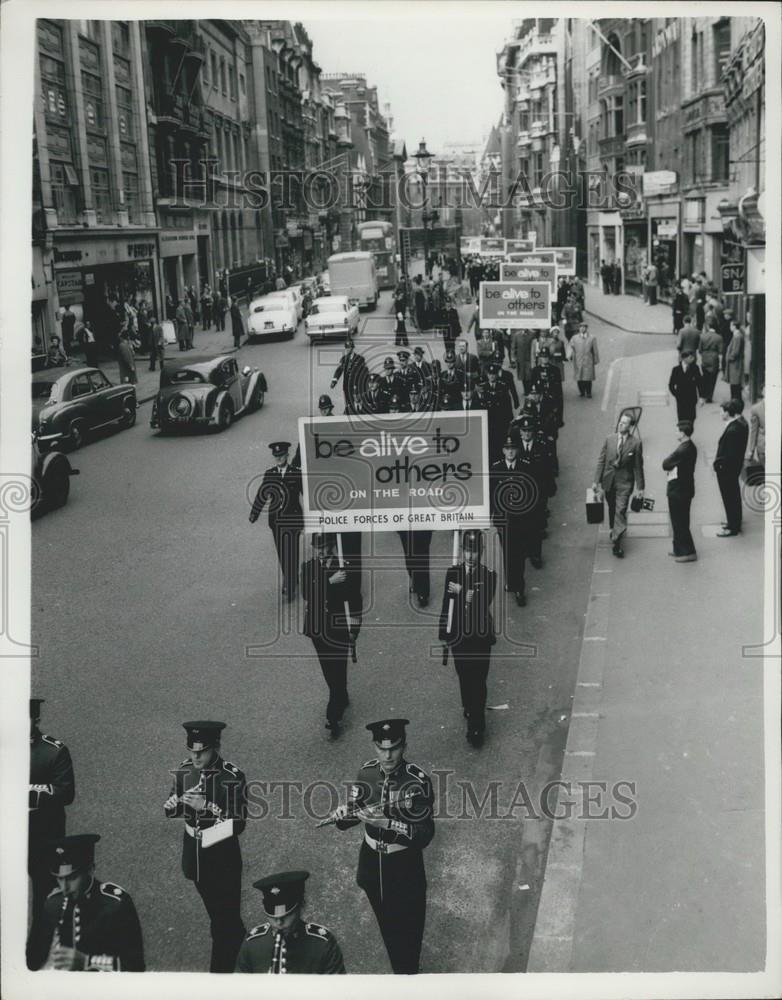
(628, 312)
(669, 696)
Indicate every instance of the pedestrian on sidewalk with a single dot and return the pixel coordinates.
(680, 466)
(651, 284)
(686, 385)
(221, 308)
(573, 316)
(181, 326)
(616, 278)
(583, 351)
(605, 277)
(157, 344)
(728, 464)
(680, 307)
(126, 359)
(467, 629)
(734, 361)
(711, 347)
(757, 423)
(620, 469)
(206, 308)
(67, 326)
(89, 344)
(190, 325)
(237, 324)
(689, 339)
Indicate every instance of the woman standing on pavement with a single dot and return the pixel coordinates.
(237, 324)
(734, 361)
(680, 466)
(126, 359)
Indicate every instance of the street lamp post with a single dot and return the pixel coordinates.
(424, 158)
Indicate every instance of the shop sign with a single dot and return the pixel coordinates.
(94, 252)
(658, 182)
(732, 278)
(636, 211)
(69, 287)
(177, 244)
(694, 211)
(666, 37)
(667, 230)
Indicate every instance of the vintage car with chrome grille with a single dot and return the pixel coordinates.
(203, 393)
(332, 316)
(271, 316)
(71, 403)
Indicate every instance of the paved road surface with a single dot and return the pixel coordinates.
(149, 587)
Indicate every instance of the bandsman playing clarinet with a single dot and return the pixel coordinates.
(395, 801)
(286, 943)
(86, 925)
(210, 793)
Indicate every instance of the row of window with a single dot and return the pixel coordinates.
(222, 76)
(68, 199)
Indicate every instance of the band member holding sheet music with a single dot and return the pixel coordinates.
(467, 629)
(210, 793)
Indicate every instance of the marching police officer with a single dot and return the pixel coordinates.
(395, 801)
(373, 399)
(281, 489)
(499, 406)
(210, 793)
(325, 405)
(509, 497)
(467, 629)
(52, 788)
(536, 468)
(550, 376)
(427, 379)
(86, 925)
(450, 383)
(391, 384)
(352, 369)
(409, 375)
(327, 588)
(286, 943)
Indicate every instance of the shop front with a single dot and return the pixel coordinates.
(636, 250)
(593, 240)
(98, 276)
(185, 252)
(664, 247)
(611, 242)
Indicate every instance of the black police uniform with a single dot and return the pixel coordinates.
(412, 380)
(551, 377)
(325, 625)
(216, 870)
(499, 406)
(535, 464)
(52, 788)
(470, 636)
(308, 948)
(392, 385)
(352, 369)
(449, 389)
(373, 400)
(102, 924)
(391, 864)
(282, 492)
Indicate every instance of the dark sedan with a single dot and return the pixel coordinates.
(70, 403)
(206, 393)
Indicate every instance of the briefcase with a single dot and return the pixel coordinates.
(594, 507)
(753, 474)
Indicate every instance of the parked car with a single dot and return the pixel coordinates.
(294, 293)
(70, 403)
(270, 316)
(51, 474)
(206, 392)
(332, 316)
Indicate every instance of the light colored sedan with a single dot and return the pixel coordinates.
(332, 316)
(271, 316)
(294, 293)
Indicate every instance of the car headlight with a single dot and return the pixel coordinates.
(180, 406)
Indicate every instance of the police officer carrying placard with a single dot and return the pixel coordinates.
(286, 943)
(394, 799)
(210, 793)
(52, 788)
(281, 490)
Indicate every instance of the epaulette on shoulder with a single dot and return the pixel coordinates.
(259, 931)
(318, 931)
(187, 762)
(231, 768)
(54, 892)
(52, 741)
(416, 772)
(113, 891)
(371, 763)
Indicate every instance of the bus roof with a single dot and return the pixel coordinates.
(351, 255)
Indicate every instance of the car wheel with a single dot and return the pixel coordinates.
(56, 488)
(76, 435)
(258, 397)
(128, 413)
(225, 416)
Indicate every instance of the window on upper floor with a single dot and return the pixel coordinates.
(242, 85)
(721, 45)
(720, 153)
(232, 83)
(213, 61)
(90, 29)
(65, 191)
(223, 86)
(120, 38)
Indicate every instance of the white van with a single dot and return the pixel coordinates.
(353, 274)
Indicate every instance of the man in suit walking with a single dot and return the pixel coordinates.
(620, 469)
(711, 347)
(281, 489)
(728, 463)
(685, 385)
(680, 466)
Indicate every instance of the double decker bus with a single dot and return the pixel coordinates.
(378, 238)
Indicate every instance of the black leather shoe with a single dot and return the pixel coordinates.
(423, 600)
(521, 599)
(537, 563)
(474, 738)
(619, 552)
